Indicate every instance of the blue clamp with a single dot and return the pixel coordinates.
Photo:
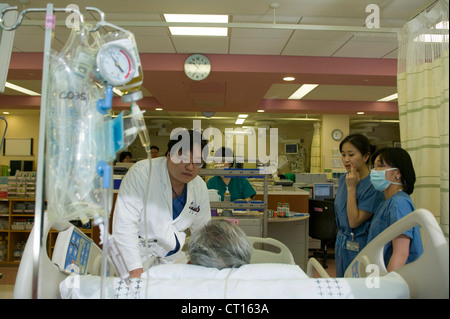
(104, 105)
(104, 170)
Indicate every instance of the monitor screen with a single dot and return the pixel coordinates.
(124, 164)
(290, 148)
(323, 190)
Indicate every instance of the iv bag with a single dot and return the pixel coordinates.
(77, 134)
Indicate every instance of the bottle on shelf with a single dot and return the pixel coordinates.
(18, 250)
(226, 195)
(3, 249)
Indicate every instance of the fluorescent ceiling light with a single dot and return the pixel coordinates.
(360, 113)
(260, 111)
(197, 18)
(288, 78)
(158, 109)
(204, 18)
(389, 98)
(199, 31)
(21, 89)
(302, 91)
(239, 121)
(242, 116)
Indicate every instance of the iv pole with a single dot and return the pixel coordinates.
(40, 198)
(39, 211)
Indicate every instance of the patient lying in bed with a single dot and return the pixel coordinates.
(220, 244)
(220, 254)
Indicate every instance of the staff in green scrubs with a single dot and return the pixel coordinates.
(238, 187)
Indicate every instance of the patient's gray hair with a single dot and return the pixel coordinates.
(219, 244)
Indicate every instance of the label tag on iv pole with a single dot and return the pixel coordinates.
(352, 244)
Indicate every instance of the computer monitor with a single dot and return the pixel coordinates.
(290, 148)
(125, 164)
(323, 191)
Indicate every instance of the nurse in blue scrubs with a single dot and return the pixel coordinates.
(355, 197)
(239, 187)
(394, 175)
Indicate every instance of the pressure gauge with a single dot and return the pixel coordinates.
(116, 64)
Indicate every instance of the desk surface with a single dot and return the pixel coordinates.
(287, 219)
(284, 190)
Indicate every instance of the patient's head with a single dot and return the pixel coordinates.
(219, 244)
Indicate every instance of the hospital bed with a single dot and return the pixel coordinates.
(427, 277)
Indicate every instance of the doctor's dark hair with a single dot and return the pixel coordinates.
(192, 136)
(226, 155)
(399, 158)
(361, 142)
(219, 244)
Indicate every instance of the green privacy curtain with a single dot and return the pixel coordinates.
(423, 92)
(315, 150)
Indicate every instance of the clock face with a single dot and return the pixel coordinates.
(197, 67)
(337, 134)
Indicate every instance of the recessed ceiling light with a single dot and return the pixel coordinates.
(389, 98)
(360, 113)
(199, 31)
(21, 89)
(6, 112)
(242, 116)
(158, 109)
(239, 121)
(302, 91)
(204, 18)
(288, 78)
(197, 18)
(260, 111)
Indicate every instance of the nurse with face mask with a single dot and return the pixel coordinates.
(394, 175)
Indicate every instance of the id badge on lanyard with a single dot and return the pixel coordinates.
(352, 244)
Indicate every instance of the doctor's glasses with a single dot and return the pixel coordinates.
(184, 159)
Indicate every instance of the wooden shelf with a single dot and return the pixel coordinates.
(14, 236)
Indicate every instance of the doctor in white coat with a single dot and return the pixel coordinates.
(178, 199)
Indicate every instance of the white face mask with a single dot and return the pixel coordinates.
(379, 181)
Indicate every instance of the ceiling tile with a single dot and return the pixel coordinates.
(350, 92)
(200, 45)
(256, 46)
(300, 47)
(365, 49)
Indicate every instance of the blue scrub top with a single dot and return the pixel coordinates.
(177, 207)
(395, 208)
(238, 187)
(368, 199)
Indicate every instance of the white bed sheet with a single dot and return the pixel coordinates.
(269, 281)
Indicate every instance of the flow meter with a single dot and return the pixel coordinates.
(115, 64)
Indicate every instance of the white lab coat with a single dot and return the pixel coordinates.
(128, 223)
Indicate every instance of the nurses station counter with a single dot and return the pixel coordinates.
(291, 231)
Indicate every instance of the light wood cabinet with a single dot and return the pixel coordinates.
(16, 222)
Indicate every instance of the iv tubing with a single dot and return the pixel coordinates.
(147, 190)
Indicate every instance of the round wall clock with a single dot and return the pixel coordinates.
(197, 67)
(337, 134)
